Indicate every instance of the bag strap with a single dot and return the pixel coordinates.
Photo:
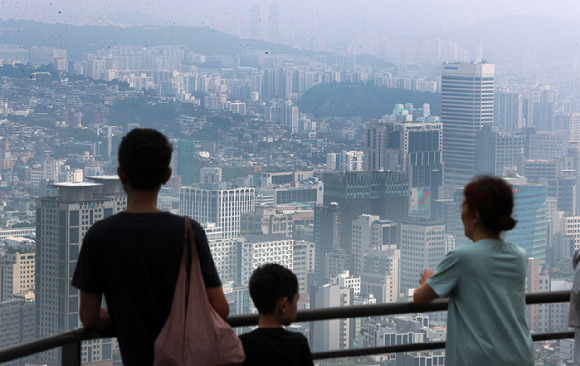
(193, 268)
(188, 245)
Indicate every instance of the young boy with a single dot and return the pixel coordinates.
(133, 257)
(274, 290)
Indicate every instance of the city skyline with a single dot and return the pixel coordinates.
(349, 197)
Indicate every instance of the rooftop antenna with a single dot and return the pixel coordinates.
(479, 51)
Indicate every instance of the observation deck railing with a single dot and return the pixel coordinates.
(70, 341)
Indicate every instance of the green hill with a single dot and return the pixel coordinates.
(365, 100)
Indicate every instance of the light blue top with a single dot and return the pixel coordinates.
(486, 322)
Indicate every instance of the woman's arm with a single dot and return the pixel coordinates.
(424, 293)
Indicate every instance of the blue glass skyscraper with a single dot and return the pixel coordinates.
(530, 232)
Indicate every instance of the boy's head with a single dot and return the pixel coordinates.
(144, 155)
(271, 283)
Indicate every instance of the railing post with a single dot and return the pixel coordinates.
(71, 354)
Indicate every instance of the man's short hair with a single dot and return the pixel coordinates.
(269, 283)
(144, 155)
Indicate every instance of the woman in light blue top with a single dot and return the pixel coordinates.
(485, 283)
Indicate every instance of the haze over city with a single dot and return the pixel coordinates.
(334, 138)
(324, 17)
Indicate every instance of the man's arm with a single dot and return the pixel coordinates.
(218, 301)
(91, 313)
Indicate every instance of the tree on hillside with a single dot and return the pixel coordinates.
(365, 100)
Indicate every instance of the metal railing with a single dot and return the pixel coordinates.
(71, 341)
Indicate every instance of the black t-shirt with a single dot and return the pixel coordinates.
(134, 260)
(276, 347)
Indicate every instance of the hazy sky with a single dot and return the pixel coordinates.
(297, 16)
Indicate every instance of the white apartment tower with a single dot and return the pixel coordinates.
(303, 263)
(348, 280)
(336, 333)
(225, 257)
(423, 244)
(260, 249)
(508, 109)
(368, 232)
(467, 91)
(346, 161)
(381, 273)
(218, 204)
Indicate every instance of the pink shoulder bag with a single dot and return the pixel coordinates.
(194, 334)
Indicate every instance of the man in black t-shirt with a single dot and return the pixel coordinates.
(133, 257)
(274, 291)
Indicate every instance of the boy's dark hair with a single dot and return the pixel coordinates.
(269, 283)
(144, 155)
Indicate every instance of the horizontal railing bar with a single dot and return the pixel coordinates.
(354, 352)
(538, 337)
(58, 340)
(547, 297)
(416, 347)
(349, 312)
(81, 334)
(386, 309)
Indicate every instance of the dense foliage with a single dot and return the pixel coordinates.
(365, 100)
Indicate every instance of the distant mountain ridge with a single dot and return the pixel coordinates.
(79, 39)
(505, 38)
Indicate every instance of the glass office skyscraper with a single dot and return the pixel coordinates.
(466, 106)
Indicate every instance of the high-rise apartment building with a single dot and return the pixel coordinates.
(266, 220)
(17, 324)
(546, 145)
(336, 333)
(225, 256)
(540, 107)
(260, 249)
(570, 123)
(422, 247)
(498, 151)
(303, 263)
(508, 110)
(17, 272)
(346, 161)
(61, 223)
(218, 204)
(538, 280)
(369, 232)
(381, 273)
(466, 106)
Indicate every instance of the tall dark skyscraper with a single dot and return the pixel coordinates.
(409, 147)
(466, 106)
(385, 194)
(186, 161)
(61, 223)
(326, 236)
